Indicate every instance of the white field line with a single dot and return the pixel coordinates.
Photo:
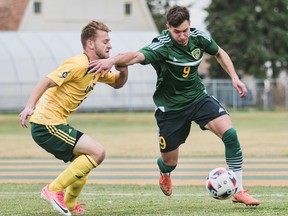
(5, 194)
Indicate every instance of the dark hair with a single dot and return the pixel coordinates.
(90, 31)
(176, 15)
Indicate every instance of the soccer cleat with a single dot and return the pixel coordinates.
(244, 197)
(79, 209)
(165, 183)
(56, 199)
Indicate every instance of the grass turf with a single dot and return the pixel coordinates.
(122, 200)
(135, 135)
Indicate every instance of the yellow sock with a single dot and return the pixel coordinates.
(79, 167)
(73, 191)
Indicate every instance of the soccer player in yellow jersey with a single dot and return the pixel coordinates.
(53, 100)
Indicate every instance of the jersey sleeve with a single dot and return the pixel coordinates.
(207, 43)
(71, 69)
(156, 51)
(212, 47)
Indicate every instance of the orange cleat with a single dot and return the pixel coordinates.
(245, 198)
(165, 183)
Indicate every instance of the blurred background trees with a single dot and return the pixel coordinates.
(158, 9)
(253, 32)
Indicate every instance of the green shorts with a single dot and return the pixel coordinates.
(58, 140)
(174, 127)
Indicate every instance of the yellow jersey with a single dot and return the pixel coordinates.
(74, 84)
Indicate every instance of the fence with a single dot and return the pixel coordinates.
(262, 94)
(137, 95)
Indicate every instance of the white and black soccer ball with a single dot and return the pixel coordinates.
(221, 183)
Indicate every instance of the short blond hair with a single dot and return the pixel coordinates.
(90, 31)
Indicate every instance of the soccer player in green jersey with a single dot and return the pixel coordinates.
(53, 100)
(180, 96)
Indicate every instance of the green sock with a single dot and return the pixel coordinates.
(164, 168)
(233, 153)
(232, 145)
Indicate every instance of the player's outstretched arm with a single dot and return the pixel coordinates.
(38, 91)
(124, 59)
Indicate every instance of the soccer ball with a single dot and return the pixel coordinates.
(221, 183)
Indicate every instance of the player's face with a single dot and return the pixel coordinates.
(102, 45)
(181, 33)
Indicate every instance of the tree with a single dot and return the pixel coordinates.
(159, 8)
(253, 32)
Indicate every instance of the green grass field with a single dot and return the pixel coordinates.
(135, 135)
(122, 200)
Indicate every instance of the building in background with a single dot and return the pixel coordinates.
(72, 15)
(11, 13)
(38, 35)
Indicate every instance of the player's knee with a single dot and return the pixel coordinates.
(232, 132)
(99, 154)
(230, 137)
(102, 155)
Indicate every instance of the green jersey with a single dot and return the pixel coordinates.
(178, 82)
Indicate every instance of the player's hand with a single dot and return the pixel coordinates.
(102, 66)
(240, 87)
(121, 68)
(24, 115)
